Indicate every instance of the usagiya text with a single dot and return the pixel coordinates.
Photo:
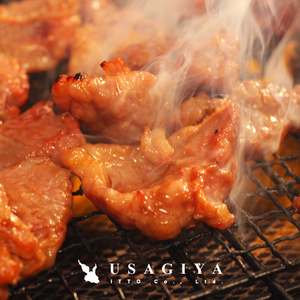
(156, 281)
(166, 268)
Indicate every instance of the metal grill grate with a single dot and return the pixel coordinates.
(258, 258)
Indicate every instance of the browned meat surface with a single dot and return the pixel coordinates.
(38, 131)
(33, 226)
(116, 106)
(195, 109)
(181, 181)
(14, 87)
(38, 32)
(115, 67)
(268, 113)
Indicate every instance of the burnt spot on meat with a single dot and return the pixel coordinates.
(79, 76)
(58, 78)
(217, 130)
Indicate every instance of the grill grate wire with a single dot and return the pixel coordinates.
(258, 256)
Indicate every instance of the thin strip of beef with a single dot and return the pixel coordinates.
(116, 106)
(38, 131)
(164, 185)
(35, 208)
(14, 87)
(38, 32)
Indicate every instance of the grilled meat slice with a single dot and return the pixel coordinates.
(35, 208)
(188, 185)
(38, 131)
(38, 32)
(116, 106)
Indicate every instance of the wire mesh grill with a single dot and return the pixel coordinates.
(258, 258)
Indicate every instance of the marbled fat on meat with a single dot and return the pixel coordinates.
(33, 227)
(38, 131)
(38, 32)
(160, 197)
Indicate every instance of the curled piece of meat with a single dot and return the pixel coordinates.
(195, 109)
(115, 67)
(38, 131)
(14, 87)
(156, 147)
(117, 106)
(38, 32)
(32, 227)
(161, 200)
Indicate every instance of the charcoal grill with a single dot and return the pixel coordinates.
(258, 258)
